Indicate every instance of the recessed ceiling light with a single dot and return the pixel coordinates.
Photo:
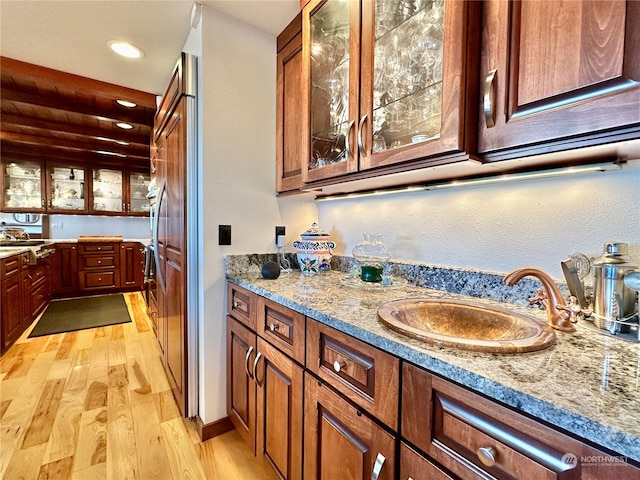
(114, 154)
(126, 103)
(125, 49)
(123, 125)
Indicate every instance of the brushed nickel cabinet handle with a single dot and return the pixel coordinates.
(255, 368)
(487, 455)
(347, 142)
(246, 362)
(273, 327)
(338, 365)
(489, 99)
(360, 143)
(377, 466)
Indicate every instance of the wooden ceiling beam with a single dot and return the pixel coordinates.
(55, 78)
(65, 154)
(39, 125)
(142, 119)
(18, 138)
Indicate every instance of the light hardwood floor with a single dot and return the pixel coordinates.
(95, 404)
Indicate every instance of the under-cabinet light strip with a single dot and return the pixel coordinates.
(506, 177)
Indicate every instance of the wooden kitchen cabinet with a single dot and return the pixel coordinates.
(66, 268)
(40, 289)
(388, 84)
(340, 440)
(473, 436)
(264, 380)
(119, 191)
(67, 188)
(15, 308)
(557, 75)
(364, 374)
(289, 114)
(98, 266)
(23, 186)
(131, 265)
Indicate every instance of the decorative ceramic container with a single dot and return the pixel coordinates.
(372, 254)
(314, 251)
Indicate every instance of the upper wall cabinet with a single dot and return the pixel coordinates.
(558, 74)
(388, 82)
(23, 186)
(289, 114)
(67, 188)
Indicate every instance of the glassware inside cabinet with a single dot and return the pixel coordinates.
(138, 187)
(23, 185)
(407, 83)
(67, 188)
(107, 190)
(329, 83)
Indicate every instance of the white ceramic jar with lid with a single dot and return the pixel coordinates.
(314, 250)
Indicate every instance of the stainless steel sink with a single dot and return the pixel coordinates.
(466, 325)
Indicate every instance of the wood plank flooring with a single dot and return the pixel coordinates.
(95, 404)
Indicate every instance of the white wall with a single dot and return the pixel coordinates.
(498, 228)
(238, 102)
(72, 226)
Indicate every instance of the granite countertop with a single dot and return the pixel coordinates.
(587, 383)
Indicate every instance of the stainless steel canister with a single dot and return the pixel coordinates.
(613, 302)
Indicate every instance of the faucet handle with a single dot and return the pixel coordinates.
(574, 309)
(540, 297)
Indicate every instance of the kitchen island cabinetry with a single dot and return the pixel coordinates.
(265, 380)
(558, 75)
(388, 84)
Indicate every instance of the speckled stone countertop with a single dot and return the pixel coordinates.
(587, 383)
(6, 252)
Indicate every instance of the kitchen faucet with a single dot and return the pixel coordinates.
(559, 315)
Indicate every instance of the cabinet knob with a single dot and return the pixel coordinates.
(237, 304)
(487, 455)
(273, 327)
(338, 365)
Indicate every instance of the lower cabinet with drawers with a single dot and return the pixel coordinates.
(297, 385)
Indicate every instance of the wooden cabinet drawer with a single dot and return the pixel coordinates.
(39, 299)
(97, 280)
(96, 248)
(241, 304)
(11, 265)
(281, 326)
(38, 277)
(364, 374)
(472, 436)
(417, 467)
(97, 262)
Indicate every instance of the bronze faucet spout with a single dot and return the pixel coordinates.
(557, 317)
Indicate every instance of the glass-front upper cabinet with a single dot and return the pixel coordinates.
(22, 186)
(389, 81)
(66, 189)
(107, 191)
(138, 203)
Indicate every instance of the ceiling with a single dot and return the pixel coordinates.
(66, 113)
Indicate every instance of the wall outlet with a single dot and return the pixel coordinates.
(280, 236)
(224, 234)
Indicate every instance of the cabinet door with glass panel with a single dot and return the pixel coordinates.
(66, 188)
(22, 186)
(397, 86)
(137, 188)
(108, 187)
